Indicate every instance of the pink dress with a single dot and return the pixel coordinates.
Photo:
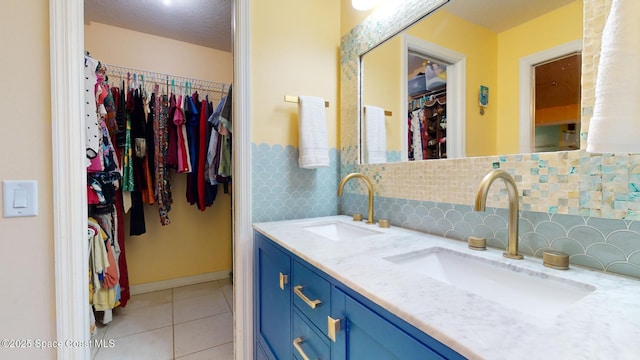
(184, 161)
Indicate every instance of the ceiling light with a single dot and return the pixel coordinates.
(166, 2)
(363, 4)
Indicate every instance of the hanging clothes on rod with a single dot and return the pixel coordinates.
(177, 130)
(142, 129)
(108, 275)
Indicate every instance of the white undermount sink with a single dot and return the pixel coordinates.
(339, 230)
(539, 296)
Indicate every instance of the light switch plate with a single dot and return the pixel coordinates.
(27, 192)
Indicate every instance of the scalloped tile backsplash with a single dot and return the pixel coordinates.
(283, 191)
(601, 244)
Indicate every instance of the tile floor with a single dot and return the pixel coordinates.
(187, 323)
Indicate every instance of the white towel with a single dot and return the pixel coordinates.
(375, 145)
(314, 143)
(615, 125)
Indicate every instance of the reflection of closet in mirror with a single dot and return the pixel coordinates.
(427, 115)
(557, 103)
(435, 76)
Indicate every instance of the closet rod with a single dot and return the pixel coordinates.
(431, 94)
(204, 85)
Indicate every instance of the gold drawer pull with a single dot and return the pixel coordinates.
(296, 344)
(333, 328)
(284, 279)
(312, 303)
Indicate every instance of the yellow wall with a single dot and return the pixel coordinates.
(381, 78)
(555, 28)
(294, 52)
(350, 17)
(148, 52)
(195, 242)
(27, 304)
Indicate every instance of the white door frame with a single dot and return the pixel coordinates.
(66, 34)
(242, 199)
(527, 87)
(456, 92)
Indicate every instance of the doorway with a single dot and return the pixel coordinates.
(557, 103)
(427, 104)
(66, 34)
(526, 80)
(444, 84)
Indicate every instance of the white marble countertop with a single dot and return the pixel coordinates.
(602, 325)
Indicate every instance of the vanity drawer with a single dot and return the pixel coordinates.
(306, 341)
(311, 295)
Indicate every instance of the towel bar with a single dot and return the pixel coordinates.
(386, 112)
(294, 99)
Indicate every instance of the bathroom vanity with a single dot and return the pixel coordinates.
(302, 312)
(332, 288)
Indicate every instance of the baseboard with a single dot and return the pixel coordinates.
(172, 283)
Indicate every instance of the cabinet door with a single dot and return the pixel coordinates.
(272, 299)
(367, 335)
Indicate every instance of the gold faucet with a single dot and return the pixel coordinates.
(369, 187)
(512, 191)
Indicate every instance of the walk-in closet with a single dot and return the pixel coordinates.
(158, 93)
(427, 104)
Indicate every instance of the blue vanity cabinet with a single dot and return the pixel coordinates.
(317, 317)
(272, 308)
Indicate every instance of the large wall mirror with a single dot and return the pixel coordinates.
(425, 81)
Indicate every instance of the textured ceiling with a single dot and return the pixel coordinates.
(500, 15)
(202, 22)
